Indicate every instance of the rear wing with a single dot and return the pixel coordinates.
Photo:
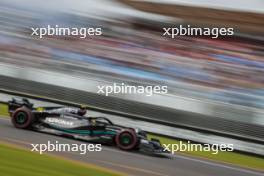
(17, 103)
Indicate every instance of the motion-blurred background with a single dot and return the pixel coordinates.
(223, 77)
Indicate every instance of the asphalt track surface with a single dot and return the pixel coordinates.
(136, 164)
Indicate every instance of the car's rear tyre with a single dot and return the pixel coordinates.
(22, 118)
(126, 140)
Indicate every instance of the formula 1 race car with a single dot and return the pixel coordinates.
(71, 122)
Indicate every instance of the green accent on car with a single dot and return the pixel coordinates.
(83, 132)
(15, 161)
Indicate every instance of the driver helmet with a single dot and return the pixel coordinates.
(82, 111)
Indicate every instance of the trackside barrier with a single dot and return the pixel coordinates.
(133, 110)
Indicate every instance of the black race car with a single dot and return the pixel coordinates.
(71, 122)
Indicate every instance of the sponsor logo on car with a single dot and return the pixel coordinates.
(59, 121)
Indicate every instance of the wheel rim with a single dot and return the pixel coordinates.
(126, 139)
(21, 118)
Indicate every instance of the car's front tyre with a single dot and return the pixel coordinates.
(126, 140)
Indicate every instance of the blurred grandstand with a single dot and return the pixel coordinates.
(229, 70)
